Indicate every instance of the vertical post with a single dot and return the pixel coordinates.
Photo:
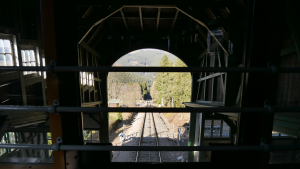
(104, 134)
(202, 154)
(17, 47)
(59, 27)
(261, 16)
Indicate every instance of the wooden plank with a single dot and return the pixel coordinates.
(90, 49)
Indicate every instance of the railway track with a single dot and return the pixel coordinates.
(148, 137)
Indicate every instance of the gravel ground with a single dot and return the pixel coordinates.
(133, 133)
(165, 135)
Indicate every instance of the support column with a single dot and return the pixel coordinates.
(103, 116)
(263, 21)
(60, 43)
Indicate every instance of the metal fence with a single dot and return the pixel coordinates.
(53, 69)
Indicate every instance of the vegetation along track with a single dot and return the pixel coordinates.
(148, 137)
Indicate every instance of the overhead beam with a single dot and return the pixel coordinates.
(88, 12)
(106, 15)
(90, 49)
(95, 34)
(100, 38)
(82, 22)
(158, 17)
(121, 11)
(174, 21)
(141, 19)
(159, 4)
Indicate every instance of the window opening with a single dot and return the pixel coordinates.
(6, 55)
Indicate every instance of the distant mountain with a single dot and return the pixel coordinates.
(144, 57)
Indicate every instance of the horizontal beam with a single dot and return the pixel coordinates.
(61, 109)
(210, 76)
(33, 80)
(49, 69)
(212, 103)
(145, 18)
(58, 147)
(90, 104)
(8, 76)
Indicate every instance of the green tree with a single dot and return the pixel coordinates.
(181, 89)
(164, 82)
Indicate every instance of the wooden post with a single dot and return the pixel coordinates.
(59, 27)
(259, 87)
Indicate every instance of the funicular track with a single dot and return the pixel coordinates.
(148, 132)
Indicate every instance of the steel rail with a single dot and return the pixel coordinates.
(141, 137)
(51, 68)
(156, 137)
(59, 147)
(61, 109)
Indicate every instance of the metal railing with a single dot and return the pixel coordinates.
(62, 109)
(52, 68)
(60, 147)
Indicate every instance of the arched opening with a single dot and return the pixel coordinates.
(164, 88)
(147, 89)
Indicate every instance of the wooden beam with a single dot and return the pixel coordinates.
(133, 18)
(95, 34)
(174, 21)
(106, 15)
(100, 38)
(210, 76)
(47, 12)
(97, 79)
(90, 49)
(158, 17)
(141, 19)
(8, 76)
(121, 11)
(91, 104)
(88, 12)
(33, 80)
(212, 47)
